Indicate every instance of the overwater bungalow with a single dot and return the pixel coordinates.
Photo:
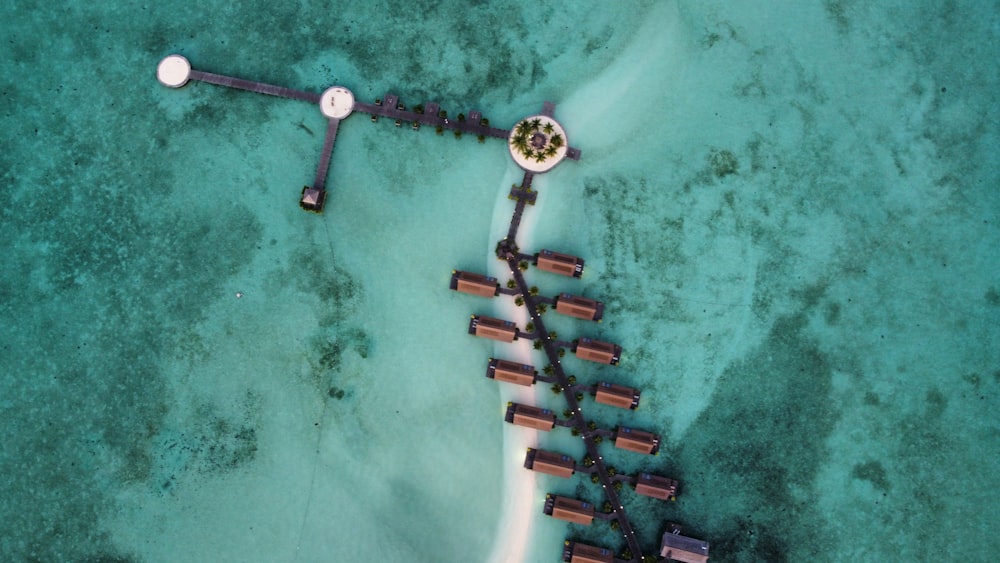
(616, 395)
(511, 372)
(489, 327)
(569, 509)
(565, 264)
(656, 486)
(637, 440)
(579, 307)
(474, 284)
(597, 351)
(675, 547)
(312, 199)
(551, 463)
(575, 552)
(530, 417)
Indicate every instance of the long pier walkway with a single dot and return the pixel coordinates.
(431, 115)
(324, 158)
(251, 86)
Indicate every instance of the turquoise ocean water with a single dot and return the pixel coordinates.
(790, 210)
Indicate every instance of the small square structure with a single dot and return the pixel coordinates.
(312, 199)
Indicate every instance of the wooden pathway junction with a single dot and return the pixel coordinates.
(175, 71)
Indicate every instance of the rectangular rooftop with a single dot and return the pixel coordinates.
(474, 284)
(637, 440)
(511, 372)
(557, 263)
(489, 327)
(530, 417)
(550, 463)
(574, 552)
(569, 509)
(579, 307)
(656, 486)
(597, 351)
(617, 395)
(676, 547)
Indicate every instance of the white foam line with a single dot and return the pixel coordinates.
(517, 511)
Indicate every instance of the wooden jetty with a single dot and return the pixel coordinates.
(337, 103)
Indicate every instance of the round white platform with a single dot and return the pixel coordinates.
(537, 139)
(336, 102)
(173, 71)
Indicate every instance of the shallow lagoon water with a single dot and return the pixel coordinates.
(789, 210)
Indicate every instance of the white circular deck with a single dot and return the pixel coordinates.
(173, 71)
(336, 102)
(544, 144)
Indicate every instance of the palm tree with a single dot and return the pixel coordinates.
(540, 156)
(528, 153)
(511, 284)
(556, 140)
(520, 142)
(523, 266)
(524, 128)
(548, 128)
(519, 301)
(461, 117)
(530, 327)
(533, 290)
(535, 124)
(551, 151)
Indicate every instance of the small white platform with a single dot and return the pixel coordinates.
(336, 102)
(173, 71)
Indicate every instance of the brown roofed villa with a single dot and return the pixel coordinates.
(656, 486)
(489, 327)
(676, 547)
(574, 552)
(550, 463)
(597, 351)
(511, 372)
(565, 264)
(637, 440)
(569, 509)
(617, 395)
(530, 417)
(579, 307)
(474, 284)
